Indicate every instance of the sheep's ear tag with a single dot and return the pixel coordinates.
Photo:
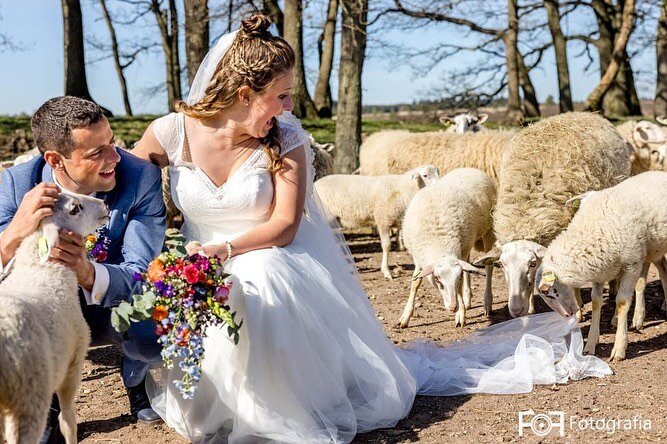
(44, 250)
(576, 203)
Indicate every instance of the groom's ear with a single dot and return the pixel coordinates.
(54, 159)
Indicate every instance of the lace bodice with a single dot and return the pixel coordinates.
(214, 214)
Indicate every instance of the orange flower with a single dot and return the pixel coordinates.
(160, 313)
(156, 270)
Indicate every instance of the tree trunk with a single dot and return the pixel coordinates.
(513, 114)
(621, 98)
(560, 49)
(167, 20)
(273, 10)
(594, 101)
(196, 34)
(352, 54)
(293, 33)
(116, 58)
(76, 83)
(660, 103)
(531, 107)
(322, 99)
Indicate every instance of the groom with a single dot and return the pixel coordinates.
(78, 155)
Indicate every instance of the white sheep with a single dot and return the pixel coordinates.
(464, 122)
(324, 158)
(380, 201)
(374, 146)
(546, 164)
(43, 335)
(648, 143)
(616, 234)
(447, 151)
(442, 224)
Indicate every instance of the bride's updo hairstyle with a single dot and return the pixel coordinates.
(255, 59)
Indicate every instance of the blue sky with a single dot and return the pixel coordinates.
(30, 77)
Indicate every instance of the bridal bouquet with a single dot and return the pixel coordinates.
(184, 295)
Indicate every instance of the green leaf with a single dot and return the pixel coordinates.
(120, 324)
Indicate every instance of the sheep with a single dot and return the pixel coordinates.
(43, 335)
(616, 234)
(442, 224)
(374, 147)
(546, 164)
(447, 151)
(324, 158)
(648, 144)
(463, 122)
(362, 201)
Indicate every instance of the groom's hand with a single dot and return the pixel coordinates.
(71, 252)
(37, 204)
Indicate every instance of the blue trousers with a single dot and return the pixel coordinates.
(139, 344)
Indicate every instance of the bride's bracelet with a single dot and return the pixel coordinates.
(229, 251)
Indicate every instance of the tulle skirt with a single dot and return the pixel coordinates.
(313, 364)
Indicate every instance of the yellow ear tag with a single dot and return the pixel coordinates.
(576, 203)
(549, 277)
(43, 247)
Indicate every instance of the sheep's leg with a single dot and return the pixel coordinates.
(30, 426)
(488, 295)
(66, 394)
(2, 428)
(623, 300)
(640, 307)
(460, 316)
(580, 304)
(613, 291)
(594, 331)
(385, 241)
(662, 270)
(467, 292)
(399, 240)
(410, 305)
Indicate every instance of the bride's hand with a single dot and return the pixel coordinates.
(194, 247)
(208, 250)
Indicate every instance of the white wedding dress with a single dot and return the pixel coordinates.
(313, 364)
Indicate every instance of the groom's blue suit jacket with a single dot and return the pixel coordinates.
(137, 220)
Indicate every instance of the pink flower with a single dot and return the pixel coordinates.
(222, 293)
(191, 274)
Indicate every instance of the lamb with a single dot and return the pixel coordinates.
(463, 122)
(43, 335)
(362, 201)
(546, 164)
(447, 151)
(616, 234)
(442, 224)
(648, 143)
(324, 158)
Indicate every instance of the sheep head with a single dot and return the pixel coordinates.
(462, 123)
(519, 260)
(445, 275)
(78, 213)
(556, 294)
(424, 175)
(650, 144)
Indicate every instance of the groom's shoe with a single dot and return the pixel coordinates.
(52, 433)
(140, 407)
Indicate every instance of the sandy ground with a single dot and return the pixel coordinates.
(637, 390)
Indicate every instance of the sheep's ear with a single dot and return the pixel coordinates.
(446, 120)
(481, 118)
(468, 268)
(425, 272)
(661, 120)
(540, 251)
(47, 241)
(576, 201)
(488, 259)
(330, 148)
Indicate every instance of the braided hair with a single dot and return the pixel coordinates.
(255, 59)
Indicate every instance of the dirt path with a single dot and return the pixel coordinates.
(636, 394)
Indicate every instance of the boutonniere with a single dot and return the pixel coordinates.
(97, 245)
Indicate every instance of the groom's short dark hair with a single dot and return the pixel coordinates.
(53, 122)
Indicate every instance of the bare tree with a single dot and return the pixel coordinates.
(660, 103)
(293, 33)
(116, 57)
(352, 54)
(513, 113)
(196, 34)
(325, 45)
(167, 20)
(594, 101)
(560, 50)
(273, 9)
(76, 83)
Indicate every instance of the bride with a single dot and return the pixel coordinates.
(313, 363)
